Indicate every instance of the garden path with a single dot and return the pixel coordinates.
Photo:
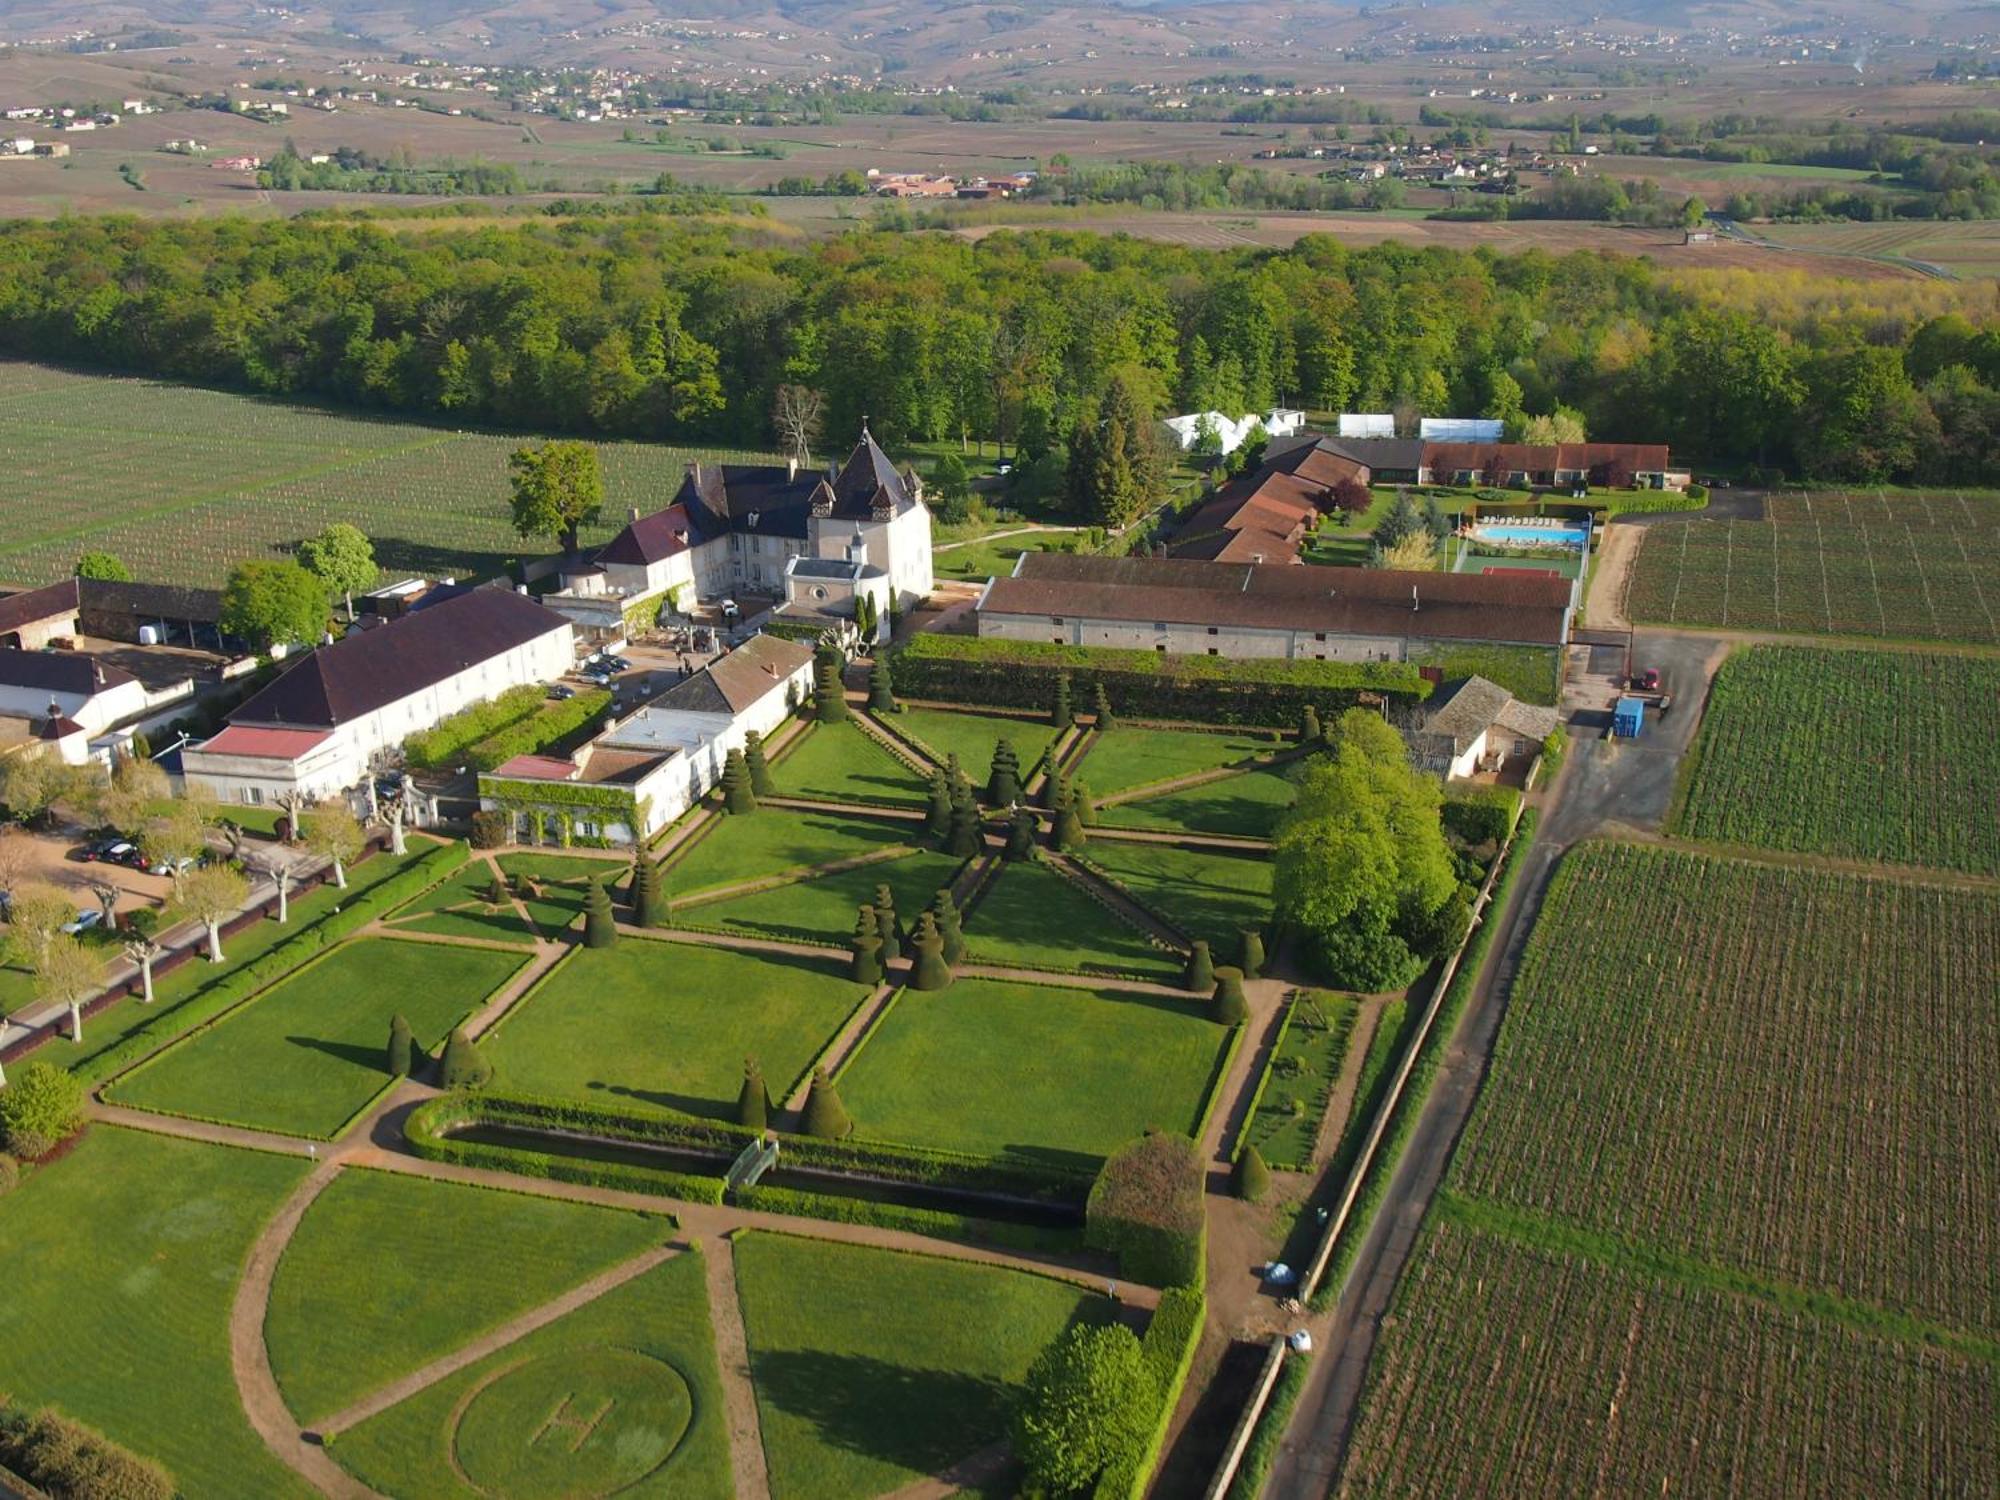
(836, 1053)
(732, 1353)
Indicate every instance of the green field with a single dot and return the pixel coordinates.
(777, 841)
(377, 1282)
(840, 763)
(1132, 756)
(303, 1057)
(123, 1259)
(1246, 805)
(640, 1359)
(822, 910)
(1032, 918)
(1873, 754)
(185, 483)
(996, 558)
(1205, 893)
(875, 1370)
(971, 737)
(1033, 1072)
(562, 878)
(667, 1025)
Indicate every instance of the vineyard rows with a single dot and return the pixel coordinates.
(184, 483)
(1765, 1067)
(1916, 566)
(1873, 754)
(1511, 1369)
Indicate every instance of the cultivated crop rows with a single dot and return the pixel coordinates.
(1515, 1370)
(1783, 1070)
(1875, 754)
(1922, 566)
(185, 483)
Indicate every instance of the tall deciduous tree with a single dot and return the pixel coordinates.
(342, 558)
(212, 896)
(273, 604)
(1084, 1407)
(108, 567)
(558, 490)
(332, 832)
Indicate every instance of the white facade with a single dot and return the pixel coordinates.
(1278, 422)
(1178, 639)
(96, 711)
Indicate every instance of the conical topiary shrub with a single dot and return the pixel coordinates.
(1250, 953)
(1003, 784)
(1068, 833)
(1055, 790)
(1086, 805)
(1020, 836)
(496, 888)
(867, 947)
(1061, 714)
(760, 769)
(829, 695)
(930, 971)
(1198, 978)
(465, 1067)
(600, 927)
(1230, 1006)
(738, 795)
(885, 925)
(964, 840)
(826, 1117)
(1101, 711)
(1309, 730)
(650, 907)
(881, 691)
(950, 925)
(1250, 1178)
(753, 1100)
(402, 1047)
(937, 818)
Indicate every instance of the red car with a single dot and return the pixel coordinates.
(1648, 681)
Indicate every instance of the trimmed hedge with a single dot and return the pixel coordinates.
(234, 988)
(931, 1221)
(1168, 1350)
(1146, 1208)
(1144, 684)
(426, 1132)
(538, 731)
(446, 740)
(1262, 1450)
(69, 1461)
(1481, 814)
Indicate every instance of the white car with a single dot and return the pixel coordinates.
(85, 920)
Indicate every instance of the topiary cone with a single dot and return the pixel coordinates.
(964, 840)
(930, 971)
(753, 1101)
(1020, 836)
(465, 1067)
(937, 820)
(1250, 1177)
(652, 909)
(867, 945)
(738, 795)
(1251, 950)
(885, 925)
(950, 925)
(881, 691)
(1061, 714)
(600, 927)
(1198, 978)
(826, 1117)
(1230, 1006)
(402, 1047)
(760, 769)
(1069, 828)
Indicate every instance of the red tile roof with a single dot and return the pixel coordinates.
(263, 744)
(537, 768)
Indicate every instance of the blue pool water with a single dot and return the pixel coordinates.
(1529, 536)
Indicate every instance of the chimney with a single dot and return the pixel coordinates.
(1413, 599)
(634, 516)
(792, 467)
(694, 472)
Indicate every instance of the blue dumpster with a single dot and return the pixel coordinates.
(1628, 717)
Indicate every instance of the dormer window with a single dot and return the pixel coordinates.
(751, 519)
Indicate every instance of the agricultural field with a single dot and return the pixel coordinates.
(667, 1025)
(184, 483)
(875, 1369)
(377, 1282)
(304, 1056)
(1033, 1072)
(1870, 754)
(1905, 565)
(1967, 248)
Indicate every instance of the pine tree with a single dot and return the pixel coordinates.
(867, 946)
(738, 795)
(402, 1047)
(1003, 783)
(885, 924)
(829, 696)
(1310, 732)
(1198, 978)
(937, 820)
(753, 1100)
(1061, 715)
(826, 1117)
(1230, 1006)
(964, 841)
(465, 1066)
(930, 971)
(760, 770)
(649, 895)
(1251, 950)
(1020, 836)
(1250, 1177)
(950, 925)
(1101, 711)
(600, 927)
(881, 689)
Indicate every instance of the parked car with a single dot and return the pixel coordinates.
(1647, 680)
(130, 855)
(85, 920)
(171, 867)
(561, 692)
(104, 849)
(598, 676)
(615, 663)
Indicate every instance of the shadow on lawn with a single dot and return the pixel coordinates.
(347, 1052)
(686, 1104)
(1203, 810)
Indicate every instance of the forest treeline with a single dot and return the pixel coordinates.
(683, 329)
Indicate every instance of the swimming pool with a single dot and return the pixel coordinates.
(1519, 534)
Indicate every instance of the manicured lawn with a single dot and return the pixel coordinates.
(1205, 893)
(1246, 805)
(840, 763)
(492, 924)
(1031, 1071)
(562, 878)
(773, 841)
(308, 1053)
(823, 910)
(643, 1353)
(1130, 756)
(378, 1282)
(122, 1260)
(668, 1025)
(1032, 918)
(468, 883)
(972, 736)
(876, 1369)
(116, 1022)
(1286, 1125)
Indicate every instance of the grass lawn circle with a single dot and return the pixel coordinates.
(578, 1424)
